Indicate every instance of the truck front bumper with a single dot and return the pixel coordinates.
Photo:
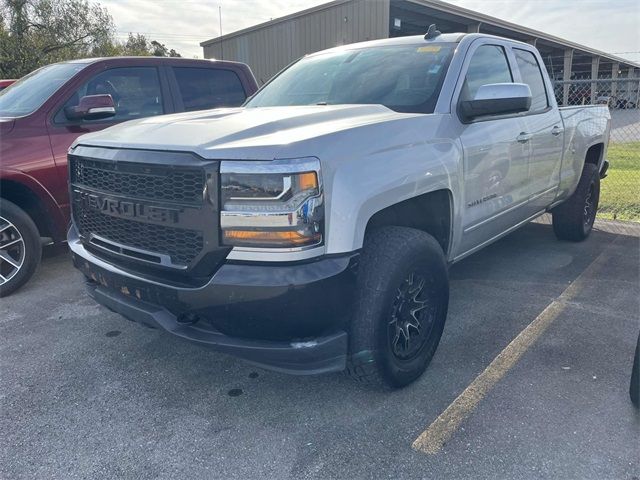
(289, 318)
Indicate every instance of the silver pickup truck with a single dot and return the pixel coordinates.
(312, 229)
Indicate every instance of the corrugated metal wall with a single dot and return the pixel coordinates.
(271, 48)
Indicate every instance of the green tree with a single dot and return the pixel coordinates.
(160, 50)
(38, 32)
(34, 33)
(136, 45)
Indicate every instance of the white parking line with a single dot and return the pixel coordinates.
(440, 431)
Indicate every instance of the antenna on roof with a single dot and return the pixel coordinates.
(432, 32)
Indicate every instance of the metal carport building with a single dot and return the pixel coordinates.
(270, 46)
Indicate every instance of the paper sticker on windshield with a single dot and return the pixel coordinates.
(429, 49)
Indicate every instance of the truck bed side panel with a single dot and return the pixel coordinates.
(584, 126)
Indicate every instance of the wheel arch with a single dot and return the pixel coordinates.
(595, 154)
(430, 212)
(41, 207)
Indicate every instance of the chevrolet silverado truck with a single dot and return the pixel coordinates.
(311, 230)
(44, 112)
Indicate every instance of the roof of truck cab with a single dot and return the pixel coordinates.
(150, 59)
(417, 40)
(410, 40)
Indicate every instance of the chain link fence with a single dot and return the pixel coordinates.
(620, 191)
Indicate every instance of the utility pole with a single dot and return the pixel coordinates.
(220, 17)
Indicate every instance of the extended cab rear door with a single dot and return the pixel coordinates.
(496, 155)
(544, 127)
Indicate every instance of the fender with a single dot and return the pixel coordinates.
(57, 219)
(391, 175)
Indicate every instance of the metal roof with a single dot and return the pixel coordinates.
(525, 31)
(275, 21)
(461, 15)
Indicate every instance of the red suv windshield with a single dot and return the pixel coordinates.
(31, 91)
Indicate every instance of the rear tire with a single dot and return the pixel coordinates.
(401, 307)
(20, 247)
(573, 219)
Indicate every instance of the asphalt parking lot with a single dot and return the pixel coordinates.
(87, 394)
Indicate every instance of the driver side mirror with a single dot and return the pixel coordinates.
(497, 99)
(92, 107)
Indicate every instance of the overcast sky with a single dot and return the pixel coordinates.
(608, 25)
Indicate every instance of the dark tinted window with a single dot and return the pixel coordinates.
(488, 65)
(532, 76)
(404, 78)
(135, 91)
(204, 88)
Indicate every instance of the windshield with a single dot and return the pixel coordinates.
(27, 94)
(404, 78)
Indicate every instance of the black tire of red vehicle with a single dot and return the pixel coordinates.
(27, 230)
(573, 219)
(403, 289)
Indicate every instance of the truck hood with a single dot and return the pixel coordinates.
(243, 133)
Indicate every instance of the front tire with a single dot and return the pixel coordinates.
(20, 247)
(401, 307)
(573, 219)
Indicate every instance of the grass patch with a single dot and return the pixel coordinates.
(620, 191)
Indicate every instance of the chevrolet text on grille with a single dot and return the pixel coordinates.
(124, 208)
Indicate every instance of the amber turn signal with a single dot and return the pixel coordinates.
(270, 238)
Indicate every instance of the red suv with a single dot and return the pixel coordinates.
(5, 83)
(45, 111)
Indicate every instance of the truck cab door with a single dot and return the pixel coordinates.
(496, 154)
(544, 125)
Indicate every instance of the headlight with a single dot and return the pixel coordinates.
(271, 204)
